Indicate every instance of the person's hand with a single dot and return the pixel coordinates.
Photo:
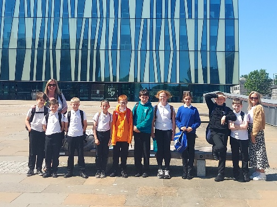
(97, 142)
(253, 139)
(183, 128)
(172, 138)
(136, 129)
(189, 129)
(153, 135)
(110, 142)
(29, 129)
(223, 120)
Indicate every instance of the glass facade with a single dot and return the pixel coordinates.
(102, 48)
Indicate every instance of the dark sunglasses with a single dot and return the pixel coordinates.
(52, 85)
(254, 98)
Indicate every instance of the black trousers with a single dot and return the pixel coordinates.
(163, 139)
(75, 143)
(52, 150)
(120, 150)
(238, 146)
(102, 150)
(220, 138)
(36, 149)
(142, 149)
(188, 154)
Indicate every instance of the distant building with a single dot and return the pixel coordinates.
(274, 92)
(239, 89)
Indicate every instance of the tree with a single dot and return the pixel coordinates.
(258, 80)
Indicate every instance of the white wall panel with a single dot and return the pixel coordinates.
(221, 36)
(221, 67)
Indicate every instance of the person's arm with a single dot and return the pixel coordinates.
(64, 106)
(130, 128)
(94, 124)
(232, 126)
(173, 125)
(209, 102)
(197, 120)
(44, 127)
(178, 118)
(111, 130)
(114, 129)
(230, 116)
(257, 120)
(27, 123)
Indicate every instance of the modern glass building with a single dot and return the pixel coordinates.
(103, 48)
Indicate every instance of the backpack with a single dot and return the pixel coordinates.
(33, 112)
(82, 117)
(180, 141)
(60, 118)
(156, 109)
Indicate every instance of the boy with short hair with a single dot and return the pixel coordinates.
(122, 132)
(53, 125)
(143, 116)
(219, 115)
(33, 124)
(75, 128)
(239, 141)
(102, 122)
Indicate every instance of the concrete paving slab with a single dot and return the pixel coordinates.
(22, 188)
(261, 202)
(40, 198)
(220, 202)
(94, 199)
(11, 178)
(8, 197)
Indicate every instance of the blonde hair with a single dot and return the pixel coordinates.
(57, 90)
(75, 99)
(250, 105)
(167, 93)
(122, 97)
(185, 94)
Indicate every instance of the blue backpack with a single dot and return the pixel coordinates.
(180, 141)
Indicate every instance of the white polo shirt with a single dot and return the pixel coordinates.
(163, 117)
(36, 124)
(241, 134)
(53, 125)
(75, 127)
(103, 121)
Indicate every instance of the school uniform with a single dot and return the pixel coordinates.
(103, 132)
(75, 139)
(52, 141)
(36, 139)
(163, 134)
(239, 142)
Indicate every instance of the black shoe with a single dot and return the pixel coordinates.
(246, 177)
(83, 174)
(46, 175)
(145, 175)
(236, 178)
(124, 174)
(54, 175)
(185, 175)
(68, 175)
(189, 175)
(39, 172)
(113, 174)
(137, 174)
(30, 173)
(98, 174)
(219, 177)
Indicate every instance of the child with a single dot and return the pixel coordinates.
(239, 141)
(188, 120)
(75, 128)
(122, 132)
(33, 123)
(219, 115)
(143, 116)
(164, 124)
(257, 149)
(53, 125)
(102, 122)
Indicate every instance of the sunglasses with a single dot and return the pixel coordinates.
(52, 85)
(254, 98)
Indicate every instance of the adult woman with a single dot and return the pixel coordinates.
(52, 91)
(257, 150)
(164, 124)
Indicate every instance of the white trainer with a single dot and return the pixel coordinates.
(261, 176)
(160, 174)
(254, 174)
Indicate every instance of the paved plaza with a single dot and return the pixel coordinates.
(16, 189)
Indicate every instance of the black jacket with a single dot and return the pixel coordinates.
(216, 112)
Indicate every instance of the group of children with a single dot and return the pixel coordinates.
(47, 129)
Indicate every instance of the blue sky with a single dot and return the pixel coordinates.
(258, 36)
